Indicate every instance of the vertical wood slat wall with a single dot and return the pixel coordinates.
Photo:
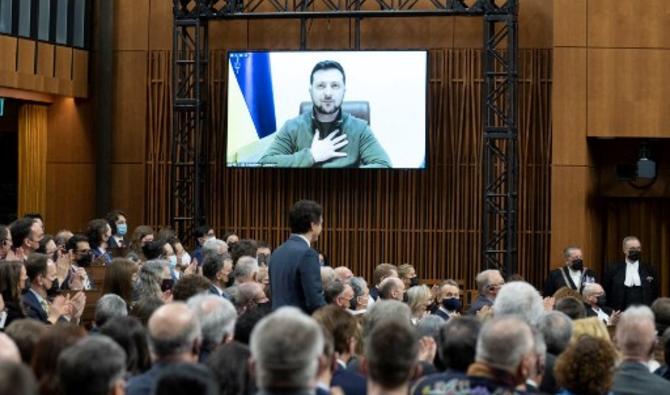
(430, 218)
(32, 159)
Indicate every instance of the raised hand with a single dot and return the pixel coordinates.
(325, 149)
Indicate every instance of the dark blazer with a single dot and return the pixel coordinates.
(480, 302)
(295, 276)
(556, 280)
(352, 383)
(613, 280)
(33, 307)
(633, 378)
(440, 313)
(144, 383)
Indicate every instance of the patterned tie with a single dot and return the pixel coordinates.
(45, 306)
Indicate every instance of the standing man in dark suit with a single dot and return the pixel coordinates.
(573, 274)
(295, 272)
(630, 282)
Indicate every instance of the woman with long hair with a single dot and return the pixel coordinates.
(12, 281)
(120, 278)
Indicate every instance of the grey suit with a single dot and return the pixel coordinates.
(633, 378)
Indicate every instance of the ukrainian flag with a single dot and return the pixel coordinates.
(251, 109)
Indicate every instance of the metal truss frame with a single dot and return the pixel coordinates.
(499, 103)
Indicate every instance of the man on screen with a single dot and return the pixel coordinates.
(326, 137)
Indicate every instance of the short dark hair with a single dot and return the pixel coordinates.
(17, 379)
(96, 229)
(388, 287)
(112, 217)
(153, 249)
(229, 364)
(246, 323)
(327, 65)
(185, 379)
(25, 333)
(392, 350)
(201, 230)
(333, 290)
(33, 216)
(190, 285)
(661, 310)
(244, 247)
(341, 325)
(36, 264)
(130, 334)
(457, 342)
(303, 214)
(145, 307)
(71, 244)
(572, 307)
(212, 264)
(90, 366)
(382, 271)
(42, 249)
(21, 229)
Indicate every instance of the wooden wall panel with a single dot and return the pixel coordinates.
(627, 93)
(129, 108)
(131, 24)
(160, 32)
(569, 107)
(8, 48)
(45, 59)
(223, 33)
(378, 33)
(80, 72)
(629, 24)
(71, 136)
(25, 62)
(128, 188)
(71, 196)
(570, 18)
(32, 159)
(328, 34)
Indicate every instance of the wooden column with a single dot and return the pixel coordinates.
(32, 158)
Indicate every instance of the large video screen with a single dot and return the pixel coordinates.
(330, 109)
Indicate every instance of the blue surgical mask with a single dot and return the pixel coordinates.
(121, 229)
(173, 261)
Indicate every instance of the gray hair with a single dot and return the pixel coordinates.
(556, 327)
(521, 299)
(91, 366)
(109, 306)
(172, 341)
(245, 268)
(503, 343)
(283, 361)
(212, 246)
(385, 311)
(636, 332)
(567, 250)
(484, 280)
(430, 325)
(150, 277)
(627, 239)
(358, 284)
(590, 289)
(216, 316)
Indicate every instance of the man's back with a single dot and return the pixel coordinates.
(634, 378)
(144, 383)
(295, 277)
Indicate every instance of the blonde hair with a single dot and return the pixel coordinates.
(417, 297)
(591, 326)
(404, 269)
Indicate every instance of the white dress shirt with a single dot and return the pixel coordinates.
(602, 316)
(632, 274)
(309, 244)
(576, 276)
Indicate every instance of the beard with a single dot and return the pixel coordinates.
(321, 110)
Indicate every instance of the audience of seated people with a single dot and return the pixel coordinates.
(103, 312)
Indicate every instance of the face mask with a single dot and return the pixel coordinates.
(173, 261)
(54, 290)
(577, 264)
(121, 229)
(405, 298)
(167, 284)
(602, 300)
(84, 260)
(634, 255)
(451, 304)
(414, 281)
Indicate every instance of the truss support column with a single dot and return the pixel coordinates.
(500, 160)
(189, 124)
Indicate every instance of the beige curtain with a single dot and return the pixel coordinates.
(32, 158)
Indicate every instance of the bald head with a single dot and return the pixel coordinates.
(392, 288)
(174, 332)
(345, 275)
(636, 332)
(250, 293)
(8, 350)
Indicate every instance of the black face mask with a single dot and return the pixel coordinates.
(414, 281)
(577, 264)
(634, 255)
(54, 290)
(167, 284)
(405, 298)
(602, 300)
(84, 260)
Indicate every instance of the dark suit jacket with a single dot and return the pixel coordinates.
(33, 307)
(144, 383)
(556, 280)
(613, 280)
(295, 276)
(634, 378)
(352, 383)
(480, 302)
(591, 313)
